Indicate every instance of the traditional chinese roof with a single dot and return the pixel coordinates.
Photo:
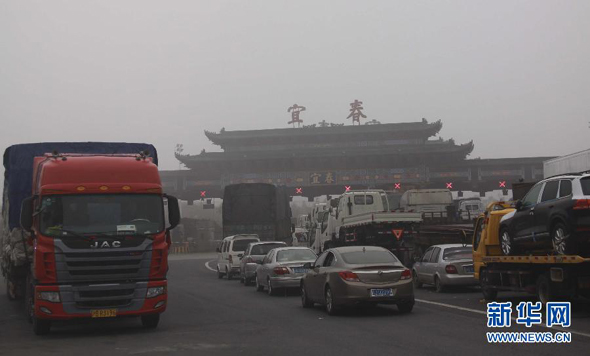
(439, 148)
(410, 130)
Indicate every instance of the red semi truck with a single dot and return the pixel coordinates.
(93, 233)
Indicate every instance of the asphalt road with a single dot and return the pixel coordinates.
(207, 316)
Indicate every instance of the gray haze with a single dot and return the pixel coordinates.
(514, 76)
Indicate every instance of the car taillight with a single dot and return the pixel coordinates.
(281, 270)
(582, 204)
(450, 269)
(349, 276)
(406, 274)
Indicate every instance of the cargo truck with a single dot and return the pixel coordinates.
(257, 208)
(363, 218)
(84, 232)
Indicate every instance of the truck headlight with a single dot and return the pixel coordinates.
(52, 297)
(153, 292)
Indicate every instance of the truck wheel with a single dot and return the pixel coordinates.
(41, 326)
(488, 293)
(506, 243)
(417, 283)
(561, 240)
(150, 321)
(10, 289)
(544, 289)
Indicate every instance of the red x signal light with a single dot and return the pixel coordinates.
(397, 186)
(203, 193)
(502, 184)
(347, 187)
(299, 190)
(450, 185)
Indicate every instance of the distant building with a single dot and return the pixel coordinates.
(328, 159)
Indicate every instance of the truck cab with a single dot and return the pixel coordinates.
(98, 227)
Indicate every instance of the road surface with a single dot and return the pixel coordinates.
(207, 316)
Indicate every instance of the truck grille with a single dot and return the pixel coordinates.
(103, 266)
(104, 296)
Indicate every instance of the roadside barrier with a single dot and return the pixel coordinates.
(180, 247)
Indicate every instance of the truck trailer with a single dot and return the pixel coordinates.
(84, 231)
(257, 208)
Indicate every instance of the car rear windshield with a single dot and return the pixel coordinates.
(585, 182)
(240, 245)
(368, 257)
(264, 248)
(296, 255)
(457, 253)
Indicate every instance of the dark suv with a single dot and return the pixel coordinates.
(554, 214)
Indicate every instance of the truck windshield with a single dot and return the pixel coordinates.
(111, 214)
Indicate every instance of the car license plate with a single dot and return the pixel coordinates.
(468, 269)
(103, 313)
(382, 292)
(300, 270)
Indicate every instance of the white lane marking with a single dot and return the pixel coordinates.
(484, 313)
(209, 267)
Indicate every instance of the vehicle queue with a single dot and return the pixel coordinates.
(341, 276)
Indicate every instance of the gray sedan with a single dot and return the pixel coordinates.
(357, 275)
(253, 256)
(283, 268)
(445, 265)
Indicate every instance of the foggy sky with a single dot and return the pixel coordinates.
(514, 76)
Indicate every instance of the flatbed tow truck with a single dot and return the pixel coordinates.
(550, 277)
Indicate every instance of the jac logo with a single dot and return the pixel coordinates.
(105, 244)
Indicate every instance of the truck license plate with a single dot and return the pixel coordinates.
(103, 313)
(382, 292)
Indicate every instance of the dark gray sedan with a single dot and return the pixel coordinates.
(352, 275)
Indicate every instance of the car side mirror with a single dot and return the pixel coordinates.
(173, 212)
(26, 214)
(307, 265)
(518, 205)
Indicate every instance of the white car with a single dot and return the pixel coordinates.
(229, 253)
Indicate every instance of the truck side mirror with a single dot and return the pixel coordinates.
(173, 212)
(26, 214)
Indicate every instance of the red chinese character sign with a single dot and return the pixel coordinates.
(355, 112)
(295, 110)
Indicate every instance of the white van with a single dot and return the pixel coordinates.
(229, 253)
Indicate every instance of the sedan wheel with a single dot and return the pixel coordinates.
(270, 290)
(259, 287)
(304, 299)
(417, 283)
(438, 285)
(330, 308)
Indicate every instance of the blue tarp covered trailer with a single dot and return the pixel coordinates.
(18, 167)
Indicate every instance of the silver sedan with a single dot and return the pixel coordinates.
(283, 268)
(445, 265)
